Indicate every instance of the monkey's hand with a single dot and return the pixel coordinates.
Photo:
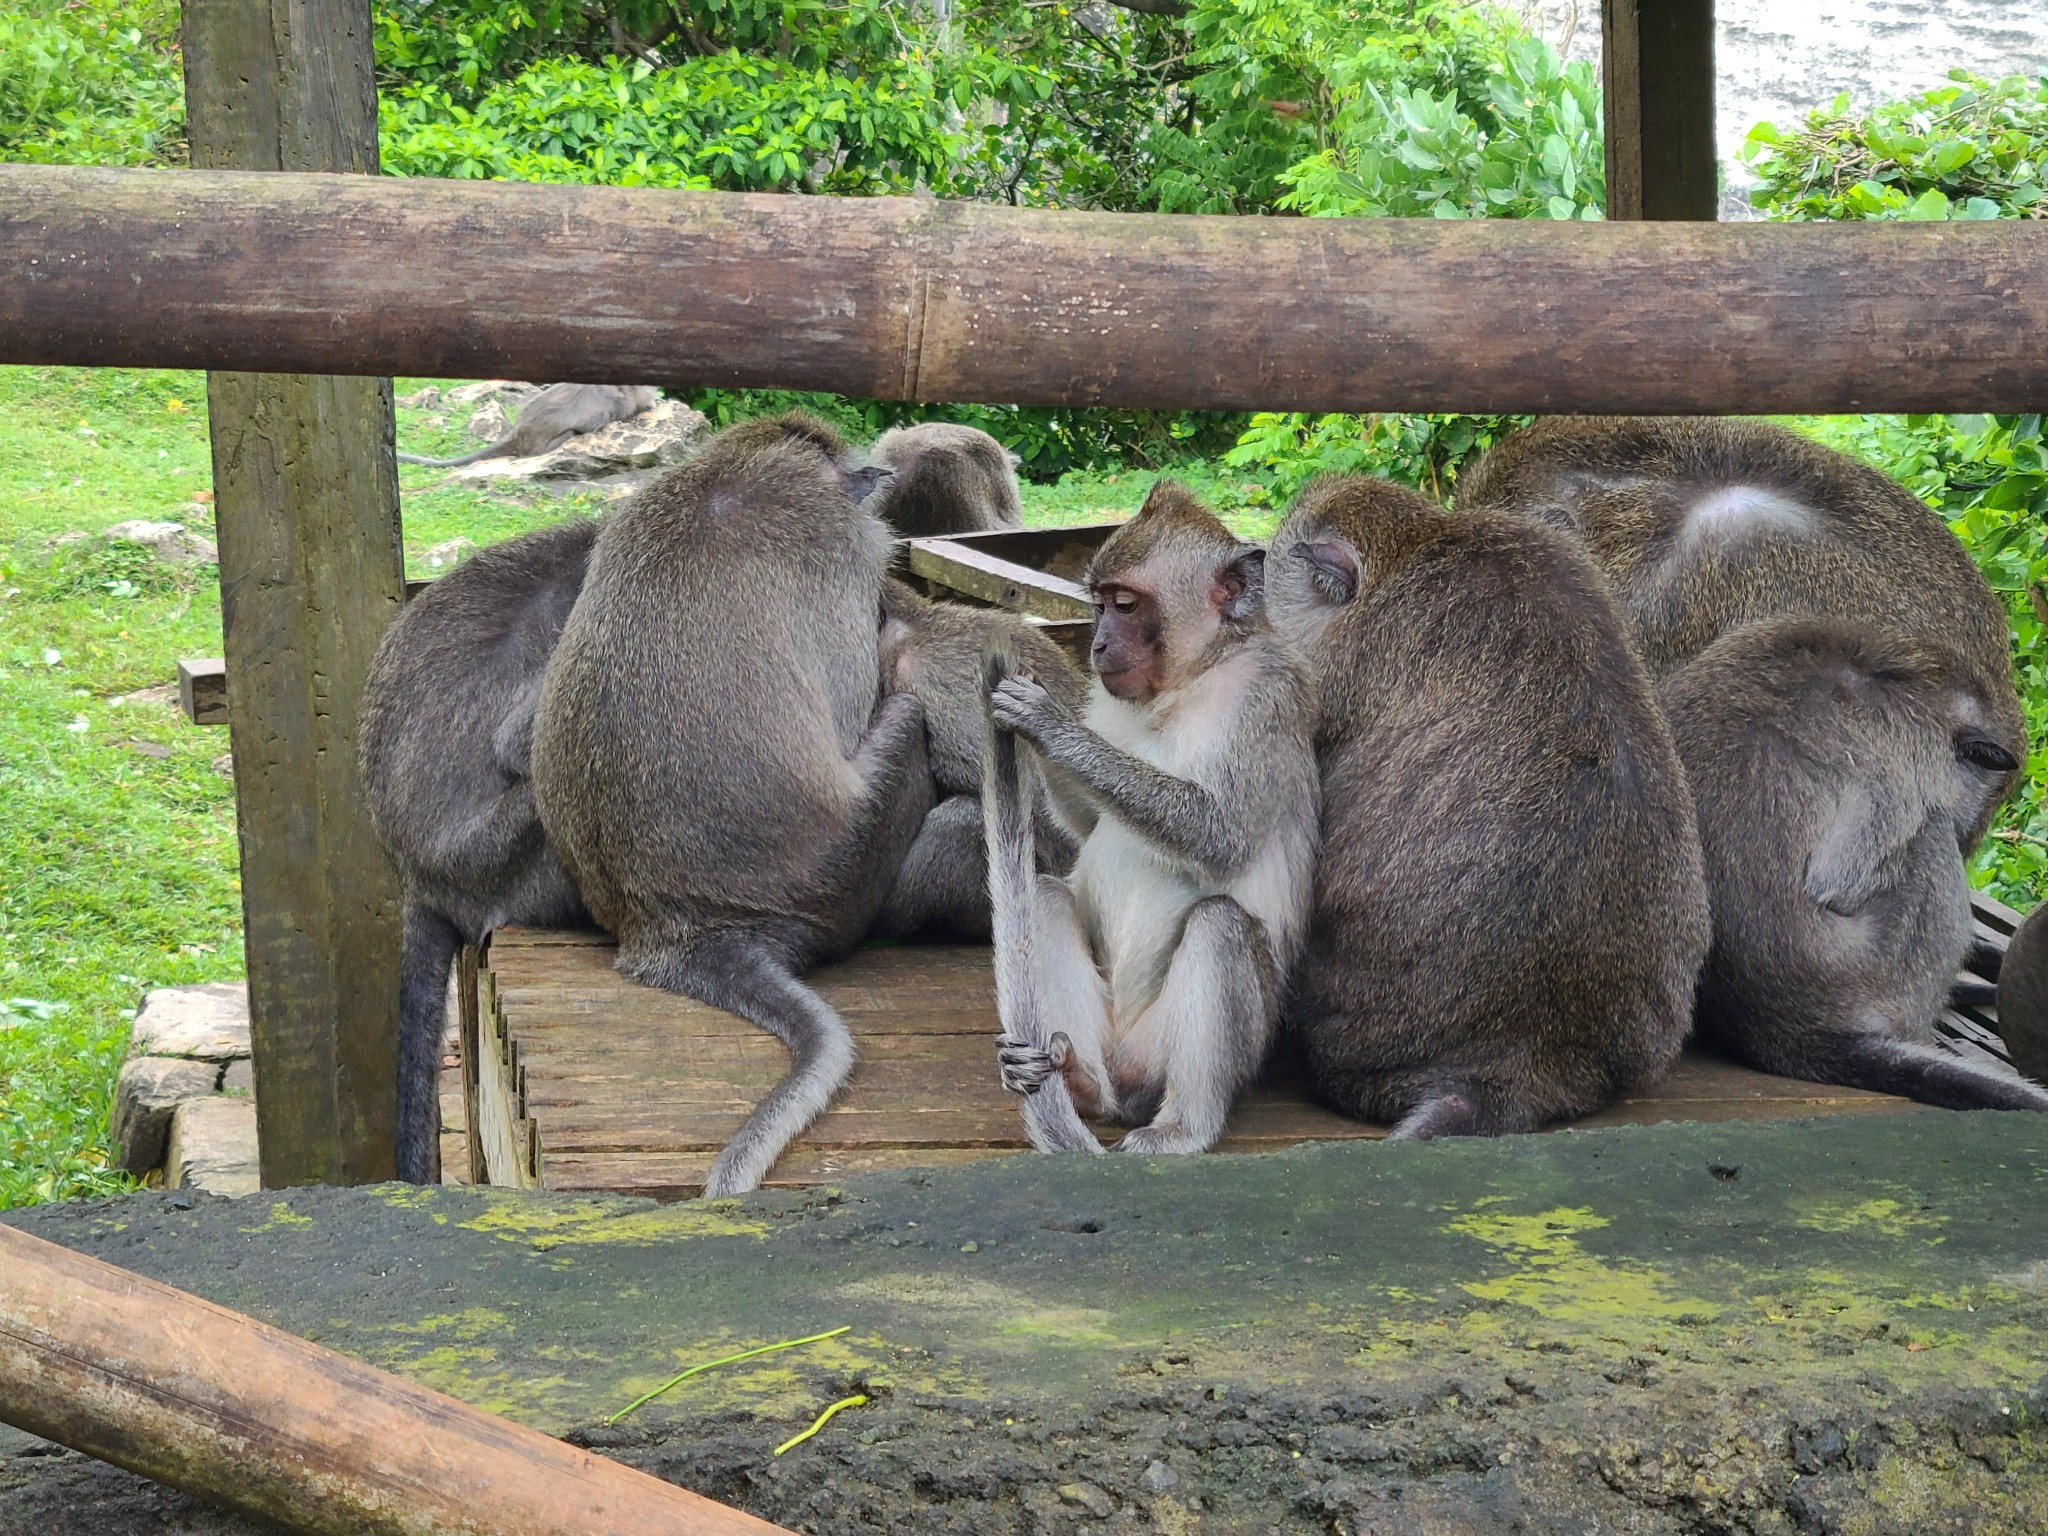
(1025, 1067)
(1021, 704)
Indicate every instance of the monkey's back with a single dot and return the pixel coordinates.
(1510, 891)
(1703, 525)
(455, 662)
(691, 760)
(1786, 728)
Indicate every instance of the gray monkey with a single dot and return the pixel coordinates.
(1863, 754)
(1708, 527)
(1510, 908)
(2023, 996)
(933, 650)
(552, 417)
(710, 760)
(445, 741)
(1143, 987)
(949, 479)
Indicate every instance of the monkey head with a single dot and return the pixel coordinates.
(1172, 587)
(1341, 536)
(858, 480)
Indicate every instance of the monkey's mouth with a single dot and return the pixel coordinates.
(1127, 682)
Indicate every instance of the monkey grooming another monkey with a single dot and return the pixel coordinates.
(551, 418)
(1143, 988)
(710, 760)
(445, 740)
(1708, 527)
(1510, 911)
(1836, 769)
(933, 650)
(949, 479)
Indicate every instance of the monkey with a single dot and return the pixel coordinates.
(1510, 908)
(934, 651)
(949, 479)
(1707, 528)
(552, 417)
(444, 744)
(710, 759)
(1143, 988)
(2023, 996)
(1859, 751)
(1702, 525)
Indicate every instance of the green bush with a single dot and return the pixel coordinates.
(91, 84)
(1972, 149)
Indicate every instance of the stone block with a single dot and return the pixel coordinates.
(148, 1090)
(209, 1022)
(213, 1147)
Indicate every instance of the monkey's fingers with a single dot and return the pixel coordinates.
(1023, 1068)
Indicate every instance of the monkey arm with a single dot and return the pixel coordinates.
(1182, 817)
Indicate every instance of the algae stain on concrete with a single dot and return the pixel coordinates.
(1558, 1280)
(281, 1215)
(1003, 1309)
(544, 1224)
(1889, 1217)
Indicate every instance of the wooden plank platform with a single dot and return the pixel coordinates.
(589, 1082)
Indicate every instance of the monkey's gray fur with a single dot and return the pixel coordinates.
(710, 760)
(933, 650)
(2023, 996)
(552, 417)
(445, 741)
(1510, 909)
(1143, 988)
(949, 479)
(1708, 529)
(1861, 754)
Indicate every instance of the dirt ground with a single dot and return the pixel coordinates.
(1837, 1327)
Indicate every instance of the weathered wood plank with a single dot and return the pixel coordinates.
(909, 298)
(997, 582)
(311, 570)
(1657, 64)
(203, 689)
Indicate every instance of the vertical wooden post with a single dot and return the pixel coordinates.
(1657, 67)
(312, 569)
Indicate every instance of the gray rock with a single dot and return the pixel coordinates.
(507, 391)
(420, 399)
(239, 1079)
(450, 552)
(146, 1093)
(663, 435)
(224, 765)
(489, 422)
(209, 1022)
(172, 543)
(1158, 1477)
(1088, 1497)
(213, 1147)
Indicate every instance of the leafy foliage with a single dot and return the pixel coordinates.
(1972, 149)
(96, 85)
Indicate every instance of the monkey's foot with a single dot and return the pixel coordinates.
(1163, 1138)
(1024, 1066)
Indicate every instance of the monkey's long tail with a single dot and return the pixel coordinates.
(491, 452)
(744, 973)
(1909, 1070)
(1050, 1119)
(427, 945)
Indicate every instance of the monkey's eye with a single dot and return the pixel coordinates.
(1120, 600)
(1988, 755)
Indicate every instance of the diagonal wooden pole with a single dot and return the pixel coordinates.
(232, 1410)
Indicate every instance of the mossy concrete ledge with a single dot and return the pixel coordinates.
(1837, 1327)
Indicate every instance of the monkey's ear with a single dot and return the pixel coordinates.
(1332, 569)
(864, 482)
(1240, 585)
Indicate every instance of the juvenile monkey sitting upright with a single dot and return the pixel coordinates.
(1143, 988)
(1510, 909)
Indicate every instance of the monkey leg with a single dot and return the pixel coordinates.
(1208, 1028)
(859, 869)
(427, 944)
(942, 889)
(753, 974)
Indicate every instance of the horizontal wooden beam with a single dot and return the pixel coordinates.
(916, 299)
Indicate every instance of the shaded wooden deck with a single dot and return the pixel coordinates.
(589, 1082)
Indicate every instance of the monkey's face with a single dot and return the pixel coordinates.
(1129, 626)
(1314, 578)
